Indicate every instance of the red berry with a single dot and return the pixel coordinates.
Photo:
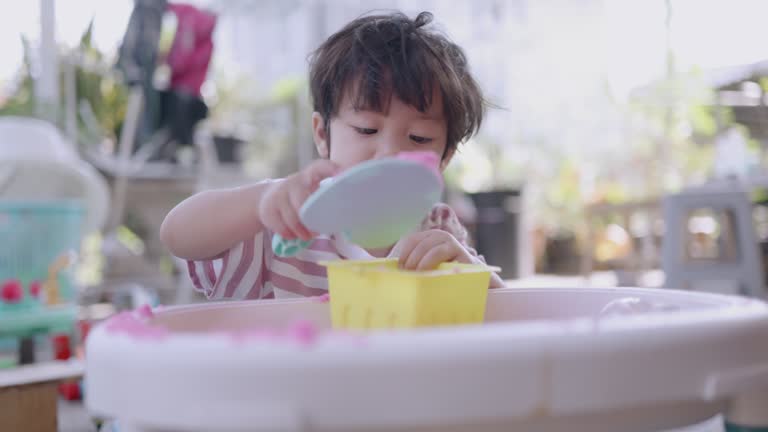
(85, 328)
(12, 291)
(34, 288)
(61, 347)
(70, 390)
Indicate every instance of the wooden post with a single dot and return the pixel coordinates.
(29, 408)
(29, 395)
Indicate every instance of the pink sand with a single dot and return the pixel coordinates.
(136, 324)
(324, 298)
(303, 333)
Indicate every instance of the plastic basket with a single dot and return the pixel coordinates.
(33, 235)
(376, 294)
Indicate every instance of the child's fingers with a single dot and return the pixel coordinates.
(443, 252)
(284, 231)
(408, 245)
(425, 244)
(279, 227)
(296, 199)
(292, 223)
(272, 219)
(318, 171)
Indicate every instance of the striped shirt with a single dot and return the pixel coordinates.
(250, 270)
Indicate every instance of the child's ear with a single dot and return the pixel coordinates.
(447, 158)
(320, 135)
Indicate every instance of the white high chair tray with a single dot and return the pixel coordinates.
(546, 360)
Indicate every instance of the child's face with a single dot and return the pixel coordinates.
(358, 136)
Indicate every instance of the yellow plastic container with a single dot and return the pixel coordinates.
(376, 294)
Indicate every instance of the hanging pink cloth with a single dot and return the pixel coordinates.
(192, 48)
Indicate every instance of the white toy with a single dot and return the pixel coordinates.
(383, 200)
(547, 360)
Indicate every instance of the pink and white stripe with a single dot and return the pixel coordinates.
(250, 270)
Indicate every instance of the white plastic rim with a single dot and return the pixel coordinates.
(546, 360)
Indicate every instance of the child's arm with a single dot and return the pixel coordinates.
(212, 222)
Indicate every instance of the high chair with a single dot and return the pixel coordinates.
(738, 258)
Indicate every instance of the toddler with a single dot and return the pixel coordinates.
(382, 85)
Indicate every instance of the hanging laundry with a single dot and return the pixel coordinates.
(192, 48)
(189, 58)
(137, 60)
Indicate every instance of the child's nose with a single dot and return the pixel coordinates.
(381, 155)
(389, 148)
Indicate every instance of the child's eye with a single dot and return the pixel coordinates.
(365, 131)
(420, 140)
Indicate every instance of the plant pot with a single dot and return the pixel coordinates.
(497, 229)
(562, 255)
(227, 148)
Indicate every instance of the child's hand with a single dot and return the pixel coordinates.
(426, 250)
(279, 208)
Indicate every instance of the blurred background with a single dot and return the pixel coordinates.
(628, 140)
(604, 106)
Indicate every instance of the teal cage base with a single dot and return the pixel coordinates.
(28, 322)
(33, 235)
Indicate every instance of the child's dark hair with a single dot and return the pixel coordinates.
(375, 55)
